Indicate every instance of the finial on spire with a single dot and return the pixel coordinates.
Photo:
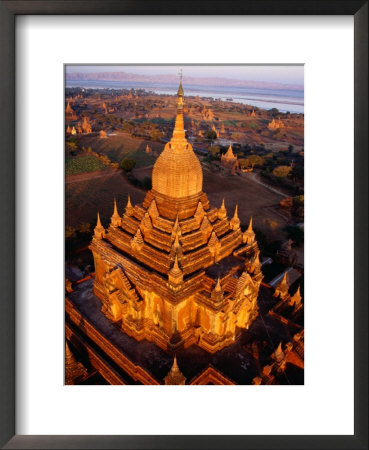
(236, 212)
(98, 220)
(175, 365)
(250, 225)
(218, 286)
(180, 89)
(179, 126)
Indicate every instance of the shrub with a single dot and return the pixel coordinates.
(128, 164)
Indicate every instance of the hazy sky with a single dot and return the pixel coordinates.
(287, 74)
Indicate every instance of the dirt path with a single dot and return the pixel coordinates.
(254, 177)
(89, 175)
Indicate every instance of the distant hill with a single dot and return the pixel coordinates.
(173, 79)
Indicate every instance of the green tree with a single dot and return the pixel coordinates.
(274, 112)
(282, 171)
(156, 135)
(254, 160)
(72, 145)
(298, 200)
(70, 232)
(211, 135)
(214, 151)
(84, 228)
(128, 164)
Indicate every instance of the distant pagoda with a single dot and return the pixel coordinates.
(174, 270)
(276, 124)
(229, 160)
(69, 113)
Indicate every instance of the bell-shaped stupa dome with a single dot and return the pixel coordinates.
(177, 172)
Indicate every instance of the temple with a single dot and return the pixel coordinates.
(275, 124)
(86, 126)
(229, 160)
(69, 113)
(176, 270)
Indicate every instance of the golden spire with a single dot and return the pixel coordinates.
(175, 267)
(175, 376)
(217, 294)
(205, 226)
(218, 287)
(199, 213)
(176, 243)
(177, 172)
(296, 298)
(129, 207)
(175, 275)
(180, 89)
(99, 230)
(235, 221)
(236, 212)
(176, 228)
(250, 225)
(278, 354)
(222, 212)
(282, 289)
(115, 218)
(249, 235)
(175, 365)
(137, 241)
(73, 369)
(284, 280)
(146, 224)
(179, 132)
(153, 210)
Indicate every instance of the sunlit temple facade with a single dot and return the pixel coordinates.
(229, 160)
(176, 270)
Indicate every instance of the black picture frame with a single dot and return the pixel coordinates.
(8, 12)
